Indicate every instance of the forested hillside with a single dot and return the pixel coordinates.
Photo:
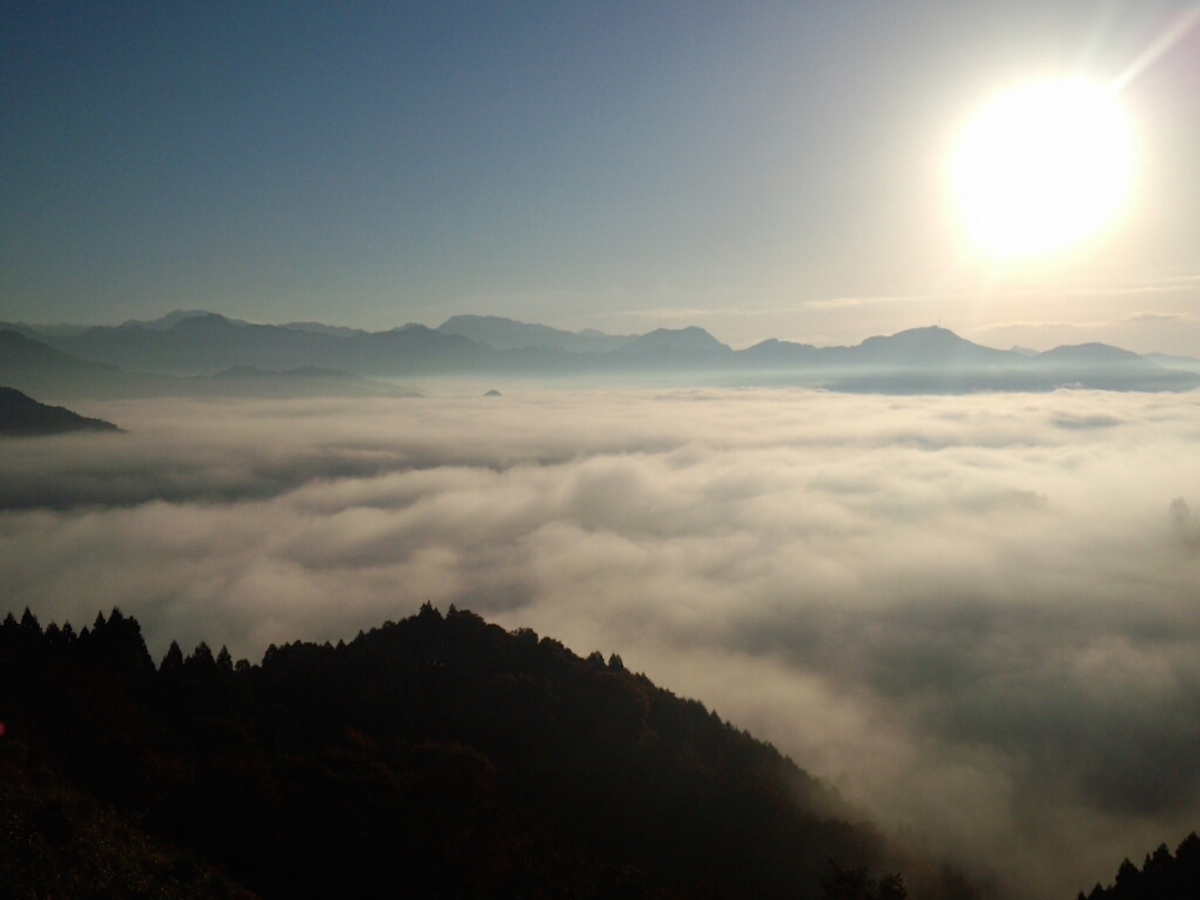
(1161, 877)
(435, 757)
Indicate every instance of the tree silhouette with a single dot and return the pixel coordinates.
(1162, 876)
(435, 757)
(848, 883)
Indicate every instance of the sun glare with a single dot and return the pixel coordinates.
(1042, 167)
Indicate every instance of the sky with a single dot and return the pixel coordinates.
(777, 170)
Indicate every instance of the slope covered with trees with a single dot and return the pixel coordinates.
(435, 757)
(22, 416)
(1161, 877)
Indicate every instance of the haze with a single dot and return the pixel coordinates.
(962, 593)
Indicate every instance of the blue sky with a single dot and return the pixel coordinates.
(774, 171)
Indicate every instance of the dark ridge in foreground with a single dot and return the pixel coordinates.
(1162, 876)
(435, 757)
(22, 416)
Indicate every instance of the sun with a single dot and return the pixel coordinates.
(1043, 166)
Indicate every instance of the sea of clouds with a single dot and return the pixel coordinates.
(978, 616)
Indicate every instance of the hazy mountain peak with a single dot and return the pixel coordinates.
(173, 318)
(1093, 353)
(501, 333)
(20, 351)
(929, 345)
(690, 340)
(923, 335)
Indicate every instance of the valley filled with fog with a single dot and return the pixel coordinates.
(977, 616)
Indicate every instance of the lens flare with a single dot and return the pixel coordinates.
(1043, 166)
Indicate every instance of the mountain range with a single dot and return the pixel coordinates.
(36, 368)
(197, 352)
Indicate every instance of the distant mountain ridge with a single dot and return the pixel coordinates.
(171, 319)
(33, 367)
(918, 360)
(676, 344)
(18, 350)
(508, 334)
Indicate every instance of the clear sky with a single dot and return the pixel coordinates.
(774, 170)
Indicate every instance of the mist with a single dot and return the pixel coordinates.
(977, 616)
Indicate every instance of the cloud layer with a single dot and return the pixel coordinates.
(978, 616)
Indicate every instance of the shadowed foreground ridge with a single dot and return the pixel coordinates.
(1162, 876)
(22, 416)
(435, 757)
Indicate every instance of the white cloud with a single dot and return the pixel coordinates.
(977, 615)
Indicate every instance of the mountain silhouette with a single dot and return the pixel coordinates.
(936, 360)
(931, 346)
(508, 334)
(22, 416)
(918, 360)
(676, 346)
(1092, 354)
(435, 757)
(171, 319)
(20, 353)
(35, 368)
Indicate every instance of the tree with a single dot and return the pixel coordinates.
(848, 883)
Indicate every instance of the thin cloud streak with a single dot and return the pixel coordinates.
(1178, 30)
(1132, 318)
(976, 615)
